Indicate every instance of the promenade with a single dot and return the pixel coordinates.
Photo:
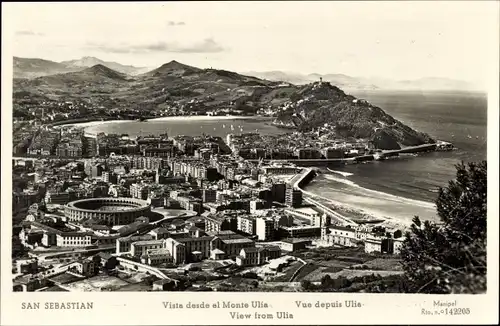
(310, 198)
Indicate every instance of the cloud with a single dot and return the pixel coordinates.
(174, 23)
(208, 45)
(28, 33)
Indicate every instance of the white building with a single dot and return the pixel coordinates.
(340, 235)
(264, 228)
(141, 248)
(73, 239)
(305, 213)
(156, 257)
(373, 244)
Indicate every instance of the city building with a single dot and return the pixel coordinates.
(73, 239)
(230, 243)
(217, 223)
(155, 257)
(257, 255)
(300, 231)
(246, 224)
(339, 235)
(209, 195)
(57, 197)
(305, 213)
(264, 228)
(124, 244)
(293, 197)
(140, 248)
(139, 191)
(373, 244)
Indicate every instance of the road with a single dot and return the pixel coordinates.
(345, 220)
(309, 198)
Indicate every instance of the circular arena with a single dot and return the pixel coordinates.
(115, 211)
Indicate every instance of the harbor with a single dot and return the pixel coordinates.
(378, 156)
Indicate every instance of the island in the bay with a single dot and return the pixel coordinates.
(117, 212)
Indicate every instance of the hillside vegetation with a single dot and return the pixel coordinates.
(176, 88)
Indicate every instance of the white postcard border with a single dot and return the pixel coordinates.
(129, 308)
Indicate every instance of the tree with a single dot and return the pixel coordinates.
(326, 281)
(306, 285)
(450, 257)
(378, 230)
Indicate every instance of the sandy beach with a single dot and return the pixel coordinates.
(89, 123)
(172, 118)
(362, 214)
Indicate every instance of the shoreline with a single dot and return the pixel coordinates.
(356, 214)
(390, 221)
(364, 215)
(337, 206)
(86, 124)
(388, 196)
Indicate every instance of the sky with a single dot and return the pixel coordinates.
(396, 40)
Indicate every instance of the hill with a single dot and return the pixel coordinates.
(321, 103)
(84, 83)
(179, 89)
(32, 67)
(172, 68)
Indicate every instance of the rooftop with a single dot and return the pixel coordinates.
(147, 242)
(238, 240)
(342, 228)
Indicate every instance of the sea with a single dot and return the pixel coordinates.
(399, 188)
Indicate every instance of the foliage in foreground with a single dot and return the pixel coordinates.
(450, 257)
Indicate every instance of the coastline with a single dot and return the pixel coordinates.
(86, 124)
(344, 208)
(361, 214)
(349, 211)
(358, 213)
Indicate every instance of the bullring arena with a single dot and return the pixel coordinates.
(115, 211)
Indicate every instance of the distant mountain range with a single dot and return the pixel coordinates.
(33, 67)
(362, 83)
(87, 62)
(183, 89)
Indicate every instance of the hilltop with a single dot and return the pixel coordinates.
(172, 68)
(84, 83)
(317, 104)
(179, 89)
(96, 75)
